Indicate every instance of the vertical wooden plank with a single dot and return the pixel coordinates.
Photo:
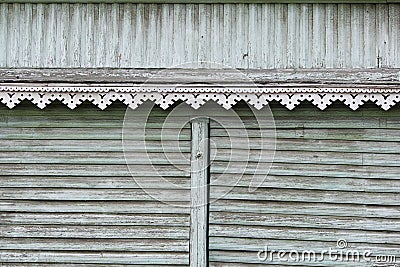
(344, 34)
(199, 193)
(268, 36)
(178, 37)
(25, 31)
(204, 41)
(84, 37)
(74, 40)
(217, 34)
(394, 34)
(292, 38)
(62, 38)
(139, 29)
(369, 36)
(382, 22)
(4, 26)
(226, 48)
(305, 34)
(13, 34)
(357, 30)
(125, 34)
(331, 36)
(318, 53)
(281, 30)
(49, 44)
(150, 22)
(91, 47)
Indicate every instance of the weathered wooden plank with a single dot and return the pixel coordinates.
(272, 181)
(316, 122)
(270, 142)
(90, 145)
(72, 121)
(304, 208)
(390, 135)
(249, 244)
(76, 244)
(96, 206)
(345, 171)
(307, 157)
(110, 194)
(109, 219)
(307, 183)
(94, 170)
(199, 196)
(283, 220)
(96, 158)
(95, 182)
(90, 231)
(93, 134)
(312, 122)
(344, 146)
(292, 233)
(124, 75)
(311, 196)
(94, 257)
(245, 258)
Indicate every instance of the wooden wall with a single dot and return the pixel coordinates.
(66, 195)
(335, 176)
(246, 36)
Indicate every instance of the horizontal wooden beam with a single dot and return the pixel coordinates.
(208, 1)
(386, 77)
(197, 86)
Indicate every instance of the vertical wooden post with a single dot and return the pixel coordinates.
(199, 193)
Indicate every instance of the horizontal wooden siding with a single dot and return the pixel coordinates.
(67, 196)
(336, 175)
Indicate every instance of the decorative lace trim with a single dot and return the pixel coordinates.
(196, 95)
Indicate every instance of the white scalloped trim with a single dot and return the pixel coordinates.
(258, 99)
(205, 88)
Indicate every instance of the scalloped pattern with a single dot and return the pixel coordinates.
(194, 98)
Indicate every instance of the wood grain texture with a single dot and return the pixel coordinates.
(107, 219)
(199, 192)
(137, 33)
(67, 197)
(277, 77)
(325, 183)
